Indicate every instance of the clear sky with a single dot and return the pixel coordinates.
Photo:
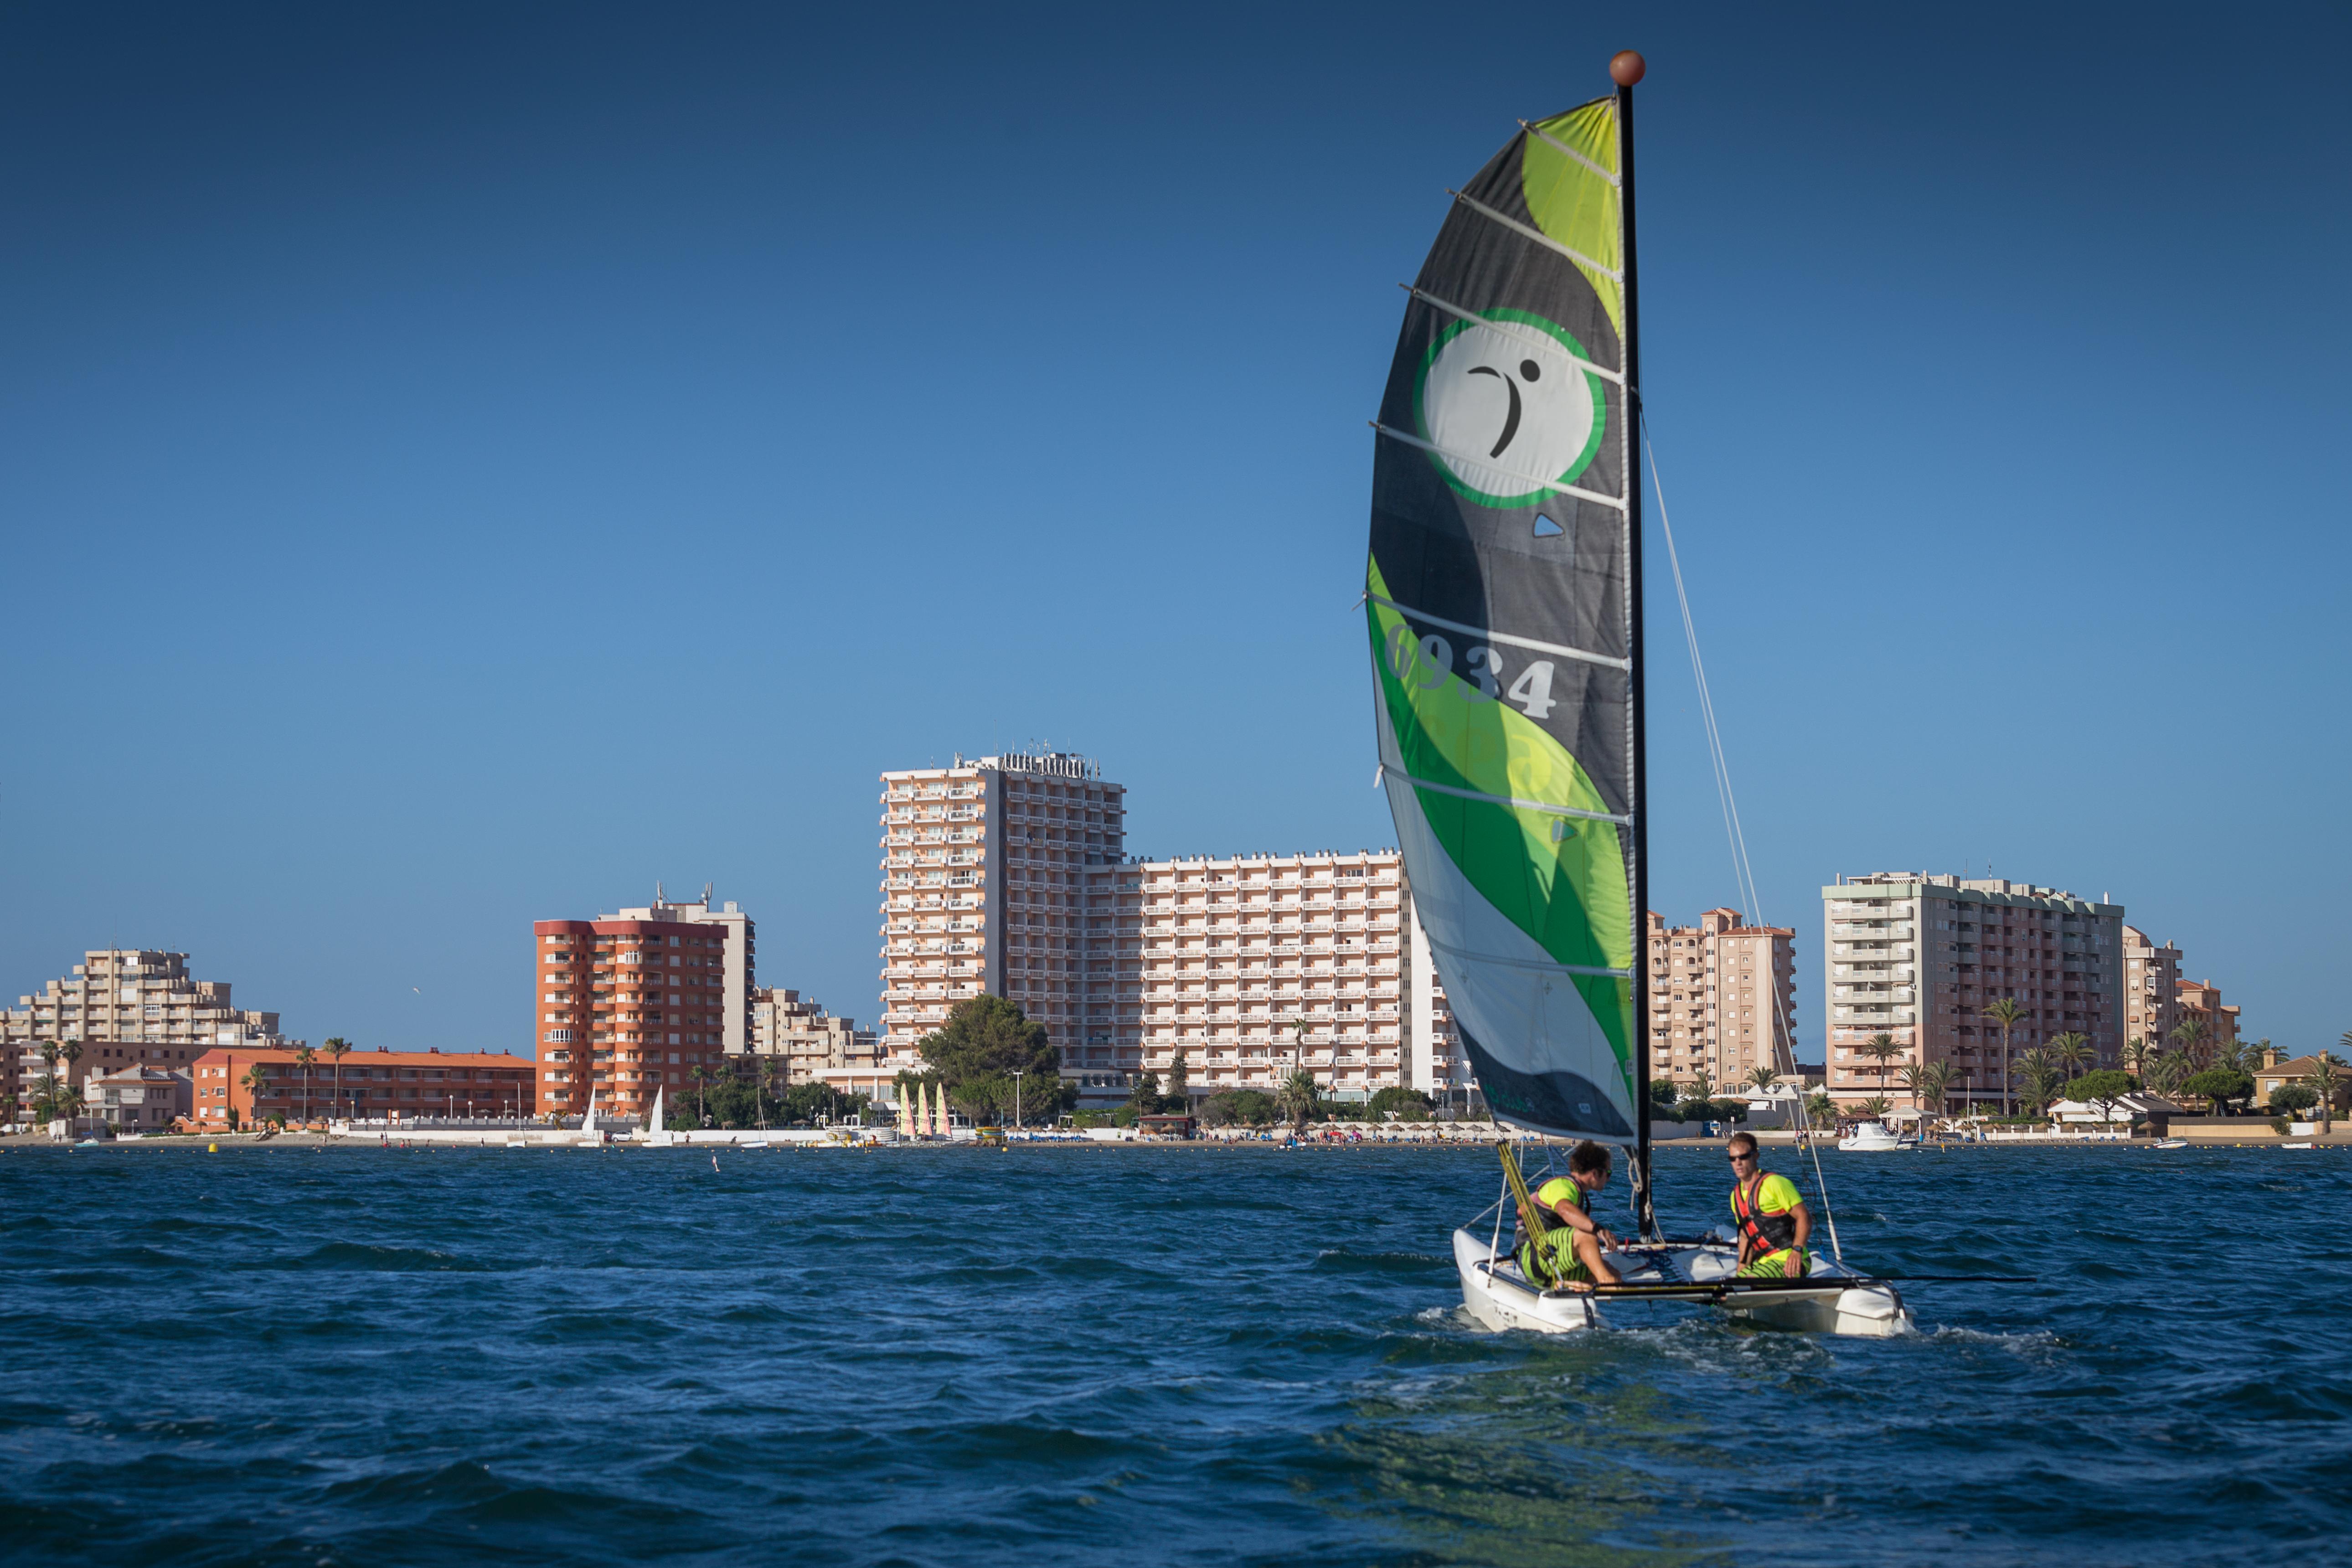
(459, 465)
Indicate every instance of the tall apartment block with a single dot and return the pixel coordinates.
(125, 1006)
(639, 998)
(1723, 999)
(2200, 1001)
(1917, 958)
(1255, 967)
(996, 877)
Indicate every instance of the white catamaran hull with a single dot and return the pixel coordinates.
(1834, 1299)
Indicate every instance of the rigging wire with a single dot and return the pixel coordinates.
(1743, 872)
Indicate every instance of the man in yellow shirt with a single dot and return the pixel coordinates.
(1569, 1254)
(1773, 1221)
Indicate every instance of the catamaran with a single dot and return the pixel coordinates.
(1502, 597)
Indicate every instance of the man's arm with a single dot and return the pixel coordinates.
(1804, 1218)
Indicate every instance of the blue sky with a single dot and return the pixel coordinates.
(460, 466)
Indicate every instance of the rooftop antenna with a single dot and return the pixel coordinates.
(658, 892)
(706, 895)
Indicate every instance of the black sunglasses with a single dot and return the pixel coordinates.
(1736, 1159)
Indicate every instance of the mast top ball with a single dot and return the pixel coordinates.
(1625, 68)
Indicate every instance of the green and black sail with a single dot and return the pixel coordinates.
(1502, 606)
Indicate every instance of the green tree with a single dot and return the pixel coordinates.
(257, 1078)
(2190, 1035)
(2168, 1072)
(2290, 1097)
(1700, 1087)
(1300, 1097)
(2042, 1076)
(1821, 1107)
(1663, 1094)
(1761, 1080)
(2218, 1085)
(1876, 1108)
(338, 1047)
(2006, 1013)
(1255, 1108)
(986, 1040)
(2100, 1089)
(1935, 1082)
(1881, 1049)
(1180, 1082)
(2071, 1051)
(1143, 1093)
(2139, 1055)
(1404, 1104)
(303, 1057)
(2324, 1084)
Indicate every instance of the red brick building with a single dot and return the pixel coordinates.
(380, 1083)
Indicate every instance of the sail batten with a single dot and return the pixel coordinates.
(1501, 496)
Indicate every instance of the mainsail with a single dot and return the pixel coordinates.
(1502, 597)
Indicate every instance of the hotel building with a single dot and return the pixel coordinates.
(996, 877)
(378, 1085)
(1723, 999)
(125, 1007)
(1917, 958)
(629, 1002)
(1007, 875)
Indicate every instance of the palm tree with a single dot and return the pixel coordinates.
(698, 1078)
(2042, 1076)
(1761, 1080)
(69, 1106)
(2006, 1013)
(1298, 1095)
(1876, 1108)
(257, 1078)
(2190, 1035)
(1914, 1076)
(2168, 1071)
(2137, 1054)
(1882, 1048)
(338, 1047)
(1700, 1087)
(1935, 1081)
(2323, 1082)
(2071, 1050)
(46, 1089)
(303, 1057)
(769, 1067)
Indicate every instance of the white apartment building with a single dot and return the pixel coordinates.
(1257, 966)
(1723, 999)
(996, 878)
(1008, 875)
(1919, 957)
(126, 1007)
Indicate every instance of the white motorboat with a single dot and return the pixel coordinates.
(1871, 1138)
(2170, 1143)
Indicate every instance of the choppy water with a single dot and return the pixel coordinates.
(1072, 1355)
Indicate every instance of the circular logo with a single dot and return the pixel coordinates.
(1509, 408)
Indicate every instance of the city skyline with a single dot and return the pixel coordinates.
(322, 440)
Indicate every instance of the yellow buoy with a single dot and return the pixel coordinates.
(212, 1148)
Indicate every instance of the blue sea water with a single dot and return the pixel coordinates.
(1173, 1356)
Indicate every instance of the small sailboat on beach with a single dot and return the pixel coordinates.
(1502, 597)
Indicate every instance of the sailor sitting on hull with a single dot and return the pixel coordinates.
(1774, 1222)
(1570, 1253)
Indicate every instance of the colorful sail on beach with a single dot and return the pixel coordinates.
(1501, 637)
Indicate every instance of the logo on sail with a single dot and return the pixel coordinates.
(1508, 408)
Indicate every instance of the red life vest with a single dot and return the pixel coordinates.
(1767, 1233)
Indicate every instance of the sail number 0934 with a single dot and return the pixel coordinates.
(1427, 661)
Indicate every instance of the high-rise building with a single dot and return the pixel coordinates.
(2151, 990)
(127, 1006)
(812, 1043)
(1255, 966)
(633, 1000)
(1723, 999)
(996, 878)
(1917, 958)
